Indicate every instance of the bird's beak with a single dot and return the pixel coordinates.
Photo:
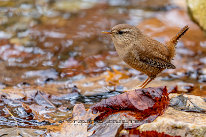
(107, 32)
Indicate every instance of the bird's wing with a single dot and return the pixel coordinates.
(156, 54)
(156, 62)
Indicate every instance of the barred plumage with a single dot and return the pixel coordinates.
(142, 52)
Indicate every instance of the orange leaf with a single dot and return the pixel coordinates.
(113, 77)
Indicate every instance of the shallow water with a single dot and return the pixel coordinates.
(61, 39)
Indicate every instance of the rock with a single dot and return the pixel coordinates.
(179, 123)
(25, 132)
(73, 5)
(197, 10)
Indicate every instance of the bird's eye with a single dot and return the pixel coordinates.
(120, 32)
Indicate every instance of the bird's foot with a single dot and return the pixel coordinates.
(135, 88)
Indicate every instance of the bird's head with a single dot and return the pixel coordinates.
(124, 34)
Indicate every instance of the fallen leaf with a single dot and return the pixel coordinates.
(110, 127)
(142, 104)
(77, 127)
(136, 132)
(36, 114)
(114, 76)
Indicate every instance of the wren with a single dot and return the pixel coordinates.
(143, 53)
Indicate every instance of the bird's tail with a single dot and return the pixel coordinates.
(179, 34)
(172, 43)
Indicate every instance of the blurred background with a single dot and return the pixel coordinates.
(52, 41)
(53, 54)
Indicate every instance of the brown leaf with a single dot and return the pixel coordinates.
(77, 127)
(26, 108)
(142, 104)
(110, 127)
(36, 114)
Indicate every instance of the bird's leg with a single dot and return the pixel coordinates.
(143, 84)
(146, 82)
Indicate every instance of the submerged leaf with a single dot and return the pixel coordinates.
(114, 77)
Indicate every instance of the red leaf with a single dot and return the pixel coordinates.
(136, 132)
(143, 104)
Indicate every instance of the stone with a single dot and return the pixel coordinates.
(180, 123)
(197, 10)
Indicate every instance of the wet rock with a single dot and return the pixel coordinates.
(179, 123)
(184, 103)
(74, 5)
(151, 4)
(8, 132)
(197, 10)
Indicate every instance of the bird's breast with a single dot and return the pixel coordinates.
(122, 52)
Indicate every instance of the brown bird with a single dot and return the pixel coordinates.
(142, 52)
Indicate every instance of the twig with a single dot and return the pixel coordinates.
(46, 99)
(3, 135)
(14, 120)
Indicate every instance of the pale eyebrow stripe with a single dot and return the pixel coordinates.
(125, 30)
